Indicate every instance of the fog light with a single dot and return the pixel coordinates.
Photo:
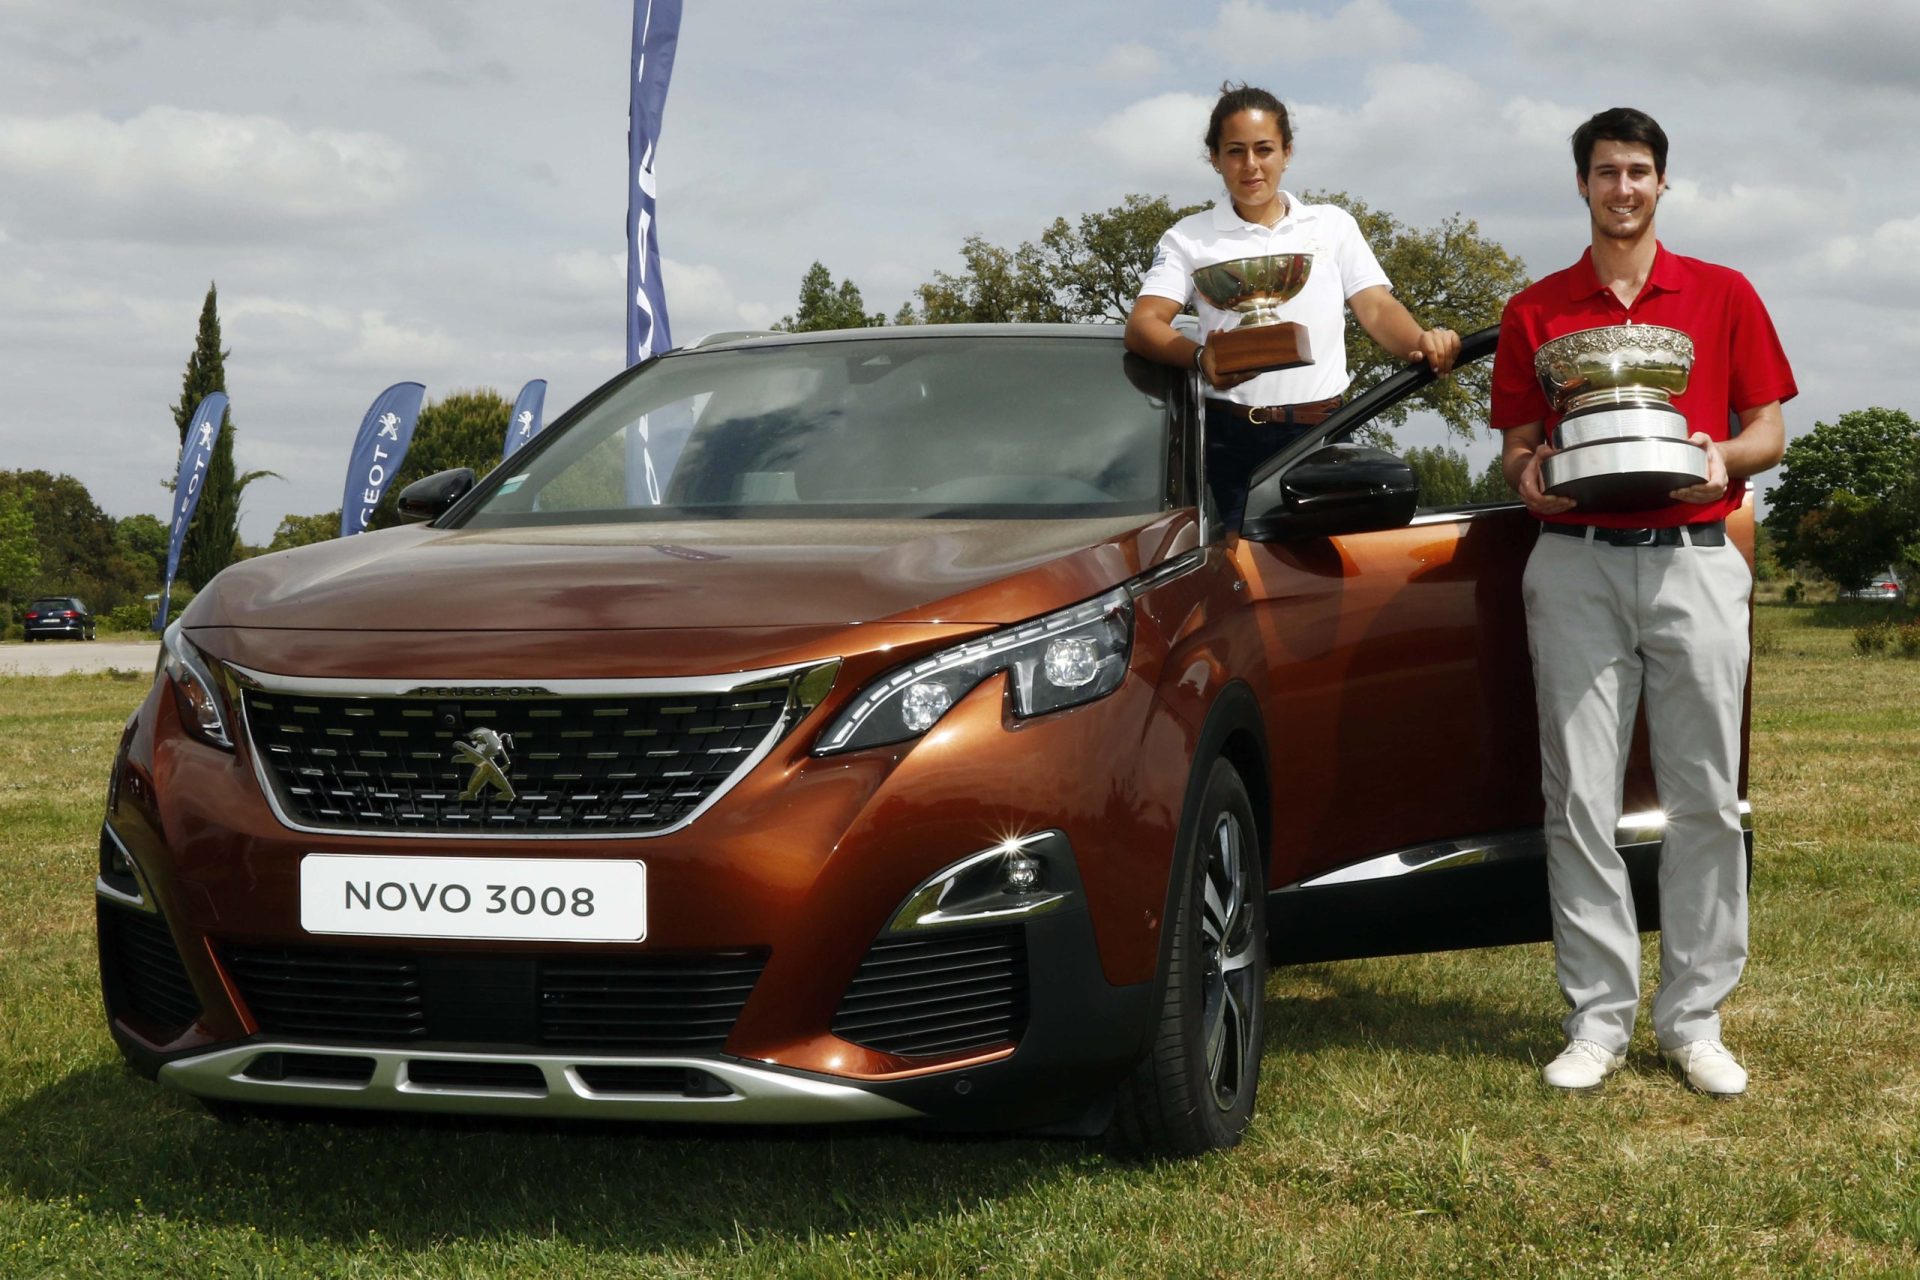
(924, 703)
(1021, 873)
(1071, 661)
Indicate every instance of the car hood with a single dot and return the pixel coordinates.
(690, 575)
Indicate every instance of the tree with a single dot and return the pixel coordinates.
(1491, 485)
(215, 527)
(142, 539)
(825, 305)
(1442, 474)
(1446, 275)
(467, 429)
(1850, 539)
(19, 548)
(1079, 272)
(75, 541)
(1872, 455)
(301, 531)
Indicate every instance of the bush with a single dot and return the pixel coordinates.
(1793, 593)
(1907, 637)
(14, 631)
(137, 616)
(1872, 638)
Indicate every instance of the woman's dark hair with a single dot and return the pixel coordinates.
(1235, 98)
(1620, 124)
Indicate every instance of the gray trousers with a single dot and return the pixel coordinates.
(1604, 624)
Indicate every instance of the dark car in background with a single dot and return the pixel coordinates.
(58, 617)
(831, 727)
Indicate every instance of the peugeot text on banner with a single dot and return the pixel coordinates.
(656, 33)
(385, 433)
(208, 422)
(524, 425)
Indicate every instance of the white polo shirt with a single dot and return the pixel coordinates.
(1343, 265)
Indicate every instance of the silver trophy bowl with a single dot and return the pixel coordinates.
(1622, 445)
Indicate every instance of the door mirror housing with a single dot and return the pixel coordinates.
(430, 496)
(1336, 489)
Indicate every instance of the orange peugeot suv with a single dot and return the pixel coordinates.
(815, 727)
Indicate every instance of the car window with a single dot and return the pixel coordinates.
(976, 427)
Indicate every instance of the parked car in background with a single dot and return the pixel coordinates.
(1882, 588)
(52, 617)
(911, 743)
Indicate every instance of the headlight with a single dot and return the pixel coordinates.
(195, 692)
(1060, 660)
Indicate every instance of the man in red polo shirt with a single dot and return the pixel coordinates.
(1646, 604)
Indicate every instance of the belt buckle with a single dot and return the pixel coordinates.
(1256, 414)
(1637, 538)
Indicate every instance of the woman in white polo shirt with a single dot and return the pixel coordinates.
(1251, 416)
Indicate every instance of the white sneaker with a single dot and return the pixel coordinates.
(1708, 1068)
(1581, 1067)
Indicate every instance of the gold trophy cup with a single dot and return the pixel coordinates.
(1256, 288)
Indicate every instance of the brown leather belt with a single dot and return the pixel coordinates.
(1311, 414)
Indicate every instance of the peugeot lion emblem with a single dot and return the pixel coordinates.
(486, 750)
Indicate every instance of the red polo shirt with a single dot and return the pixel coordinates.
(1737, 359)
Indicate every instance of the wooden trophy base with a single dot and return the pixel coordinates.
(1260, 348)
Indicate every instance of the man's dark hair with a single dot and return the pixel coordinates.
(1620, 124)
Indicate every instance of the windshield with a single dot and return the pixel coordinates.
(953, 426)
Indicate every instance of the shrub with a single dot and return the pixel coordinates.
(1766, 637)
(1793, 593)
(1907, 637)
(14, 631)
(1872, 638)
(137, 616)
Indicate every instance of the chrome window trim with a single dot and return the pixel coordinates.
(760, 1095)
(1644, 827)
(790, 715)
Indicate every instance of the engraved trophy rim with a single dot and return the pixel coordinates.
(1256, 286)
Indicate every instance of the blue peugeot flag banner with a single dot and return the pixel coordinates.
(656, 34)
(385, 433)
(208, 420)
(524, 425)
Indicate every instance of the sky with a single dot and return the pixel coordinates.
(436, 190)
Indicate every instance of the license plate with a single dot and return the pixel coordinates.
(516, 899)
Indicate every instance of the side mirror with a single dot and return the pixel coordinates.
(431, 496)
(1337, 489)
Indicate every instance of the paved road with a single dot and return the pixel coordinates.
(57, 657)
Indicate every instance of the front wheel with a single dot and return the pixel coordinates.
(1194, 1091)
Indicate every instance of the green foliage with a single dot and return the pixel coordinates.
(1447, 275)
(1873, 457)
(142, 538)
(1872, 639)
(1446, 480)
(467, 429)
(825, 305)
(75, 542)
(1080, 272)
(300, 531)
(19, 548)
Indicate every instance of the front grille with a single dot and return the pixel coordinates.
(143, 967)
(925, 997)
(519, 1077)
(602, 765)
(326, 1068)
(655, 1003)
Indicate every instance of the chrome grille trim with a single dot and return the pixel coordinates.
(759, 1095)
(242, 681)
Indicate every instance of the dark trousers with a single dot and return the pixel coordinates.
(1234, 448)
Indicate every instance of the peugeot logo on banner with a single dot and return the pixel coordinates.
(486, 750)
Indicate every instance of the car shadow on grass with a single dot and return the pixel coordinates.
(119, 1147)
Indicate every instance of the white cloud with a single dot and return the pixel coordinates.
(1249, 30)
(179, 175)
(1130, 62)
(1158, 140)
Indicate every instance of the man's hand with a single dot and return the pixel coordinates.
(1538, 500)
(1439, 348)
(1715, 485)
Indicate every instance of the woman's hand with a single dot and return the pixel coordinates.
(1215, 379)
(1439, 347)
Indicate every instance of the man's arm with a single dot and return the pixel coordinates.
(1525, 448)
(1759, 447)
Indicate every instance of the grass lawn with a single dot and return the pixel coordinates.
(1402, 1129)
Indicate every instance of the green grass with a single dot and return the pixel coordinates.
(1402, 1129)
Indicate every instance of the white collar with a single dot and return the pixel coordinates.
(1225, 219)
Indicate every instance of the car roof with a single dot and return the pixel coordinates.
(737, 340)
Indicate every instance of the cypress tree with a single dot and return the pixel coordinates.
(215, 527)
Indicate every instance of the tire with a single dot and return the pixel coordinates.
(1194, 1092)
